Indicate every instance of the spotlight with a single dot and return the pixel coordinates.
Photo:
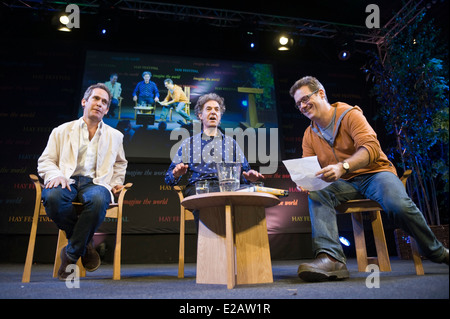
(64, 29)
(64, 19)
(250, 39)
(284, 43)
(344, 241)
(345, 45)
(60, 21)
(283, 40)
(344, 55)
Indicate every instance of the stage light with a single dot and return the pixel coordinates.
(283, 40)
(284, 43)
(64, 29)
(344, 241)
(344, 55)
(64, 19)
(59, 21)
(345, 45)
(250, 39)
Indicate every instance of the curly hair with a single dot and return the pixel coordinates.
(209, 97)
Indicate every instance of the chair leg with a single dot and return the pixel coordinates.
(118, 248)
(61, 243)
(182, 244)
(31, 244)
(416, 257)
(380, 241)
(360, 241)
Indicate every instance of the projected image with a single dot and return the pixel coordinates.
(154, 95)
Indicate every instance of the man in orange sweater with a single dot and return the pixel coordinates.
(175, 97)
(351, 158)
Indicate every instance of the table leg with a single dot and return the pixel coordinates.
(231, 257)
(211, 247)
(253, 262)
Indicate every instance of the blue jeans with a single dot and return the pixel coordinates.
(146, 100)
(179, 108)
(383, 187)
(80, 228)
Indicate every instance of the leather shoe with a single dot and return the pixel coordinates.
(444, 257)
(322, 269)
(91, 259)
(65, 261)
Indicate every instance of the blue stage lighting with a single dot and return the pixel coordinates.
(344, 241)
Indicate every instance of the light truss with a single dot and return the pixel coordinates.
(234, 19)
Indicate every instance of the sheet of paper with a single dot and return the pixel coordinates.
(303, 170)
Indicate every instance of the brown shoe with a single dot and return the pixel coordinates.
(91, 259)
(322, 269)
(65, 261)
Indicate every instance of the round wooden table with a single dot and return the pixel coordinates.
(233, 245)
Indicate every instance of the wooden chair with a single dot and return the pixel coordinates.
(187, 108)
(185, 214)
(119, 107)
(114, 211)
(356, 208)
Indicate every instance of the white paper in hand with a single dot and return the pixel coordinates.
(303, 173)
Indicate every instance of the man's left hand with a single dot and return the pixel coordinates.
(252, 175)
(331, 173)
(116, 190)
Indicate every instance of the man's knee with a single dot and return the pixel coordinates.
(98, 199)
(55, 195)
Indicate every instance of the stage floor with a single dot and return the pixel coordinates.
(159, 281)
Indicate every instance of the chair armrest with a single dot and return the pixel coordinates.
(37, 182)
(124, 189)
(179, 191)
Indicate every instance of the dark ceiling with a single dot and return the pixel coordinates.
(132, 28)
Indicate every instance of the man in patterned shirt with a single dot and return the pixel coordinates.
(191, 155)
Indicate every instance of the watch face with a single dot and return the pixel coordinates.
(346, 166)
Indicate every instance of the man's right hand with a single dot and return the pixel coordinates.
(60, 180)
(180, 170)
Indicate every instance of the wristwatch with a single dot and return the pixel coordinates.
(345, 166)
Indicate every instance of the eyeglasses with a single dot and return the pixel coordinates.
(305, 99)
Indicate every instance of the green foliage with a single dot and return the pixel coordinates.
(411, 85)
(263, 78)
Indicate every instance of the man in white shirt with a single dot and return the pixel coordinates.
(115, 89)
(83, 161)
